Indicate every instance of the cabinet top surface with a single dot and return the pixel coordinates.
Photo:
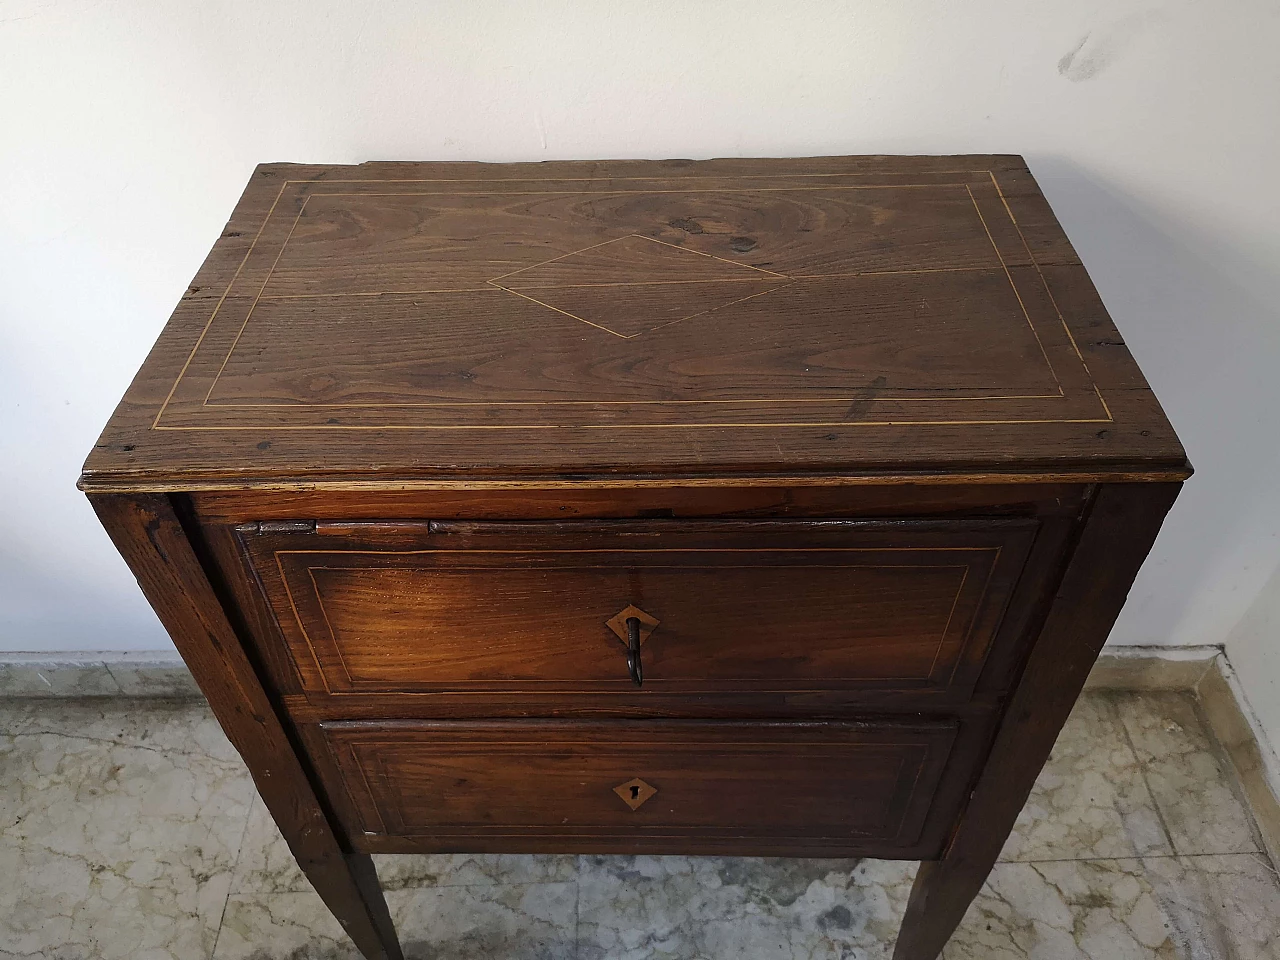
(400, 323)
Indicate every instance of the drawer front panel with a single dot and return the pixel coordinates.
(512, 608)
(777, 783)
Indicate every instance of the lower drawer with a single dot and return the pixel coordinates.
(569, 786)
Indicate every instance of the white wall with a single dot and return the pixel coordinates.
(127, 130)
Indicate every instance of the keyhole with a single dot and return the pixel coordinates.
(635, 793)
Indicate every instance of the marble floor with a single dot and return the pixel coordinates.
(130, 829)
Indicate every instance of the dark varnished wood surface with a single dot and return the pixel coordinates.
(598, 500)
(431, 322)
(523, 608)
(833, 783)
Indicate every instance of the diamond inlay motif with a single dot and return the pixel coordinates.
(635, 792)
(634, 284)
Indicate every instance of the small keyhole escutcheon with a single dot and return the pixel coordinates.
(635, 792)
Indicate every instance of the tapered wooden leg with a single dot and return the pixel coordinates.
(1121, 526)
(942, 893)
(350, 888)
(146, 531)
(362, 911)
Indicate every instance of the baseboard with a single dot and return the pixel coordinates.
(1231, 720)
(153, 673)
(1151, 668)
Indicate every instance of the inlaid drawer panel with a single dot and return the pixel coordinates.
(597, 784)
(508, 608)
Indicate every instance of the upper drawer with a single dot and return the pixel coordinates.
(524, 608)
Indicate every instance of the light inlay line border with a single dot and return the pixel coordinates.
(207, 402)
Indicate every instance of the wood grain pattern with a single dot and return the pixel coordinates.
(584, 500)
(524, 608)
(411, 322)
(833, 782)
(862, 342)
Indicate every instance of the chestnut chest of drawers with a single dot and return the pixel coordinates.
(760, 507)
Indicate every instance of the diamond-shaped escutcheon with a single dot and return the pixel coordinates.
(635, 792)
(618, 623)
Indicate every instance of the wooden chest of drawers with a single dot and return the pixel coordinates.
(763, 507)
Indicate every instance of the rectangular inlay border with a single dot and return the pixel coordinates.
(1077, 400)
(357, 688)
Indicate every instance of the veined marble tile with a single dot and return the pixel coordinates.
(1220, 906)
(1167, 908)
(1090, 800)
(139, 677)
(120, 824)
(1189, 784)
(267, 866)
(18, 714)
(267, 926)
(411, 871)
(35, 676)
(511, 921)
(159, 725)
(722, 907)
(118, 830)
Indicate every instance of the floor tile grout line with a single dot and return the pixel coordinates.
(1226, 770)
(1113, 705)
(1137, 856)
(235, 866)
(577, 905)
(114, 679)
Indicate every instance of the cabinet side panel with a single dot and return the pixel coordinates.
(146, 531)
(1118, 533)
